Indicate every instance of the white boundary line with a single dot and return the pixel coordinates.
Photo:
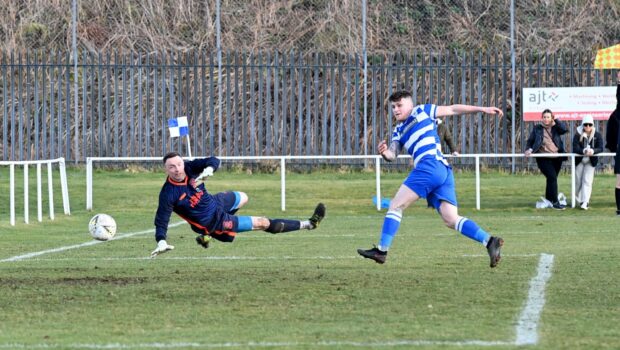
(527, 326)
(81, 245)
(245, 257)
(390, 343)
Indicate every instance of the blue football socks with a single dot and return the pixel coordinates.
(472, 230)
(391, 223)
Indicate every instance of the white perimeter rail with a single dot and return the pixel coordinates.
(282, 159)
(377, 158)
(535, 155)
(50, 187)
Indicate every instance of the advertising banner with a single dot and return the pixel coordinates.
(570, 103)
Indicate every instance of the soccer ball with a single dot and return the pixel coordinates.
(102, 227)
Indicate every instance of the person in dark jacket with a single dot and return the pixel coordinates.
(587, 141)
(546, 137)
(613, 141)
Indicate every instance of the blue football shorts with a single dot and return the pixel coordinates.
(228, 200)
(434, 181)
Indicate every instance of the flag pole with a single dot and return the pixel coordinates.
(189, 147)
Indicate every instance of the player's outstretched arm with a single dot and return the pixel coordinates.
(443, 111)
(388, 153)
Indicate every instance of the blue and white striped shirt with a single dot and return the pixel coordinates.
(418, 134)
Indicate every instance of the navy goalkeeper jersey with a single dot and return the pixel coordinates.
(189, 200)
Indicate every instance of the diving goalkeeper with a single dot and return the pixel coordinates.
(211, 215)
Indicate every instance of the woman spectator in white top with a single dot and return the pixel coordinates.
(587, 141)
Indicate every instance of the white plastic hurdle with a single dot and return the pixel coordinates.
(38, 163)
(571, 156)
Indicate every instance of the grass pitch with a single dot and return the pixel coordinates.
(309, 289)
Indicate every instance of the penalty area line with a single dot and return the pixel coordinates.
(81, 245)
(527, 326)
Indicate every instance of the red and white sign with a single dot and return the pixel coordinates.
(570, 103)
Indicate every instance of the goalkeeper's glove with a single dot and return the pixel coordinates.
(162, 247)
(207, 172)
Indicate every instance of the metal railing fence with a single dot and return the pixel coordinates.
(376, 160)
(260, 104)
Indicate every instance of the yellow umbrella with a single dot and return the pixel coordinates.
(608, 58)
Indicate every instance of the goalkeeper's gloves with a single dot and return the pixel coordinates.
(207, 172)
(162, 247)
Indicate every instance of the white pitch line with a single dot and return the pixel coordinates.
(285, 257)
(527, 327)
(170, 256)
(503, 255)
(327, 343)
(81, 245)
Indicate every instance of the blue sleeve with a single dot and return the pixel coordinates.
(431, 110)
(162, 216)
(395, 135)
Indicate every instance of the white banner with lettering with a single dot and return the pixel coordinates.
(569, 103)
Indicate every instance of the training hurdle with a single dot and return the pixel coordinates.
(50, 187)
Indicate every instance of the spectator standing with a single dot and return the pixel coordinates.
(546, 137)
(586, 142)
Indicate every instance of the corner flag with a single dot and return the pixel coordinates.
(180, 127)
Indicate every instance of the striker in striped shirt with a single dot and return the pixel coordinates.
(418, 134)
(431, 176)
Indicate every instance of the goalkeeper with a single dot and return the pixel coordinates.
(211, 216)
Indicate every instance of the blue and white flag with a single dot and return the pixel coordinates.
(178, 127)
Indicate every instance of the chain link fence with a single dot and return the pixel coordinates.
(293, 25)
(310, 26)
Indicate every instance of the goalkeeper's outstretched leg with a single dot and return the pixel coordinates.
(284, 225)
(254, 223)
